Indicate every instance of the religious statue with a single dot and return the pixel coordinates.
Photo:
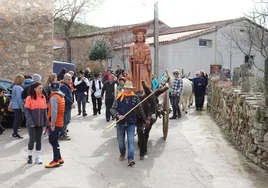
(140, 60)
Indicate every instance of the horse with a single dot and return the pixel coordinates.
(150, 109)
(187, 92)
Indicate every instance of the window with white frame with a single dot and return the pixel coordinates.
(205, 43)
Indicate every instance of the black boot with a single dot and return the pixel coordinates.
(174, 115)
(179, 112)
(2, 129)
(30, 159)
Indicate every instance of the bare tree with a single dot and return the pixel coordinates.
(119, 44)
(69, 11)
(252, 34)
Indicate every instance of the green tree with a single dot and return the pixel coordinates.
(100, 50)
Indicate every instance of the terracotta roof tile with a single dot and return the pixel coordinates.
(197, 26)
(183, 33)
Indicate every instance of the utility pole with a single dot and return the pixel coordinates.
(156, 41)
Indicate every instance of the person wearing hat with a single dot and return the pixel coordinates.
(140, 60)
(56, 109)
(82, 84)
(124, 102)
(199, 84)
(177, 87)
(96, 89)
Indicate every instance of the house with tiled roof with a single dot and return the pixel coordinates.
(116, 35)
(192, 47)
(200, 46)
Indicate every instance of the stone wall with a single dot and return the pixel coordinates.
(59, 54)
(242, 118)
(26, 37)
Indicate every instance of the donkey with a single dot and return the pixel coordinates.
(151, 112)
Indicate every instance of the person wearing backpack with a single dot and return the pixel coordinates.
(3, 107)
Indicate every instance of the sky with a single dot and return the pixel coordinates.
(172, 12)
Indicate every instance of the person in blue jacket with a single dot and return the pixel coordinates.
(155, 84)
(205, 77)
(69, 104)
(199, 84)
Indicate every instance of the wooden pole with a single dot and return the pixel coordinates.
(156, 41)
(113, 124)
(266, 82)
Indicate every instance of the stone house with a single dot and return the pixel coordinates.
(199, 46)
(117, 35)
(26, 37)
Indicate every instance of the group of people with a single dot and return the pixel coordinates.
(200, 83)
(43, 107)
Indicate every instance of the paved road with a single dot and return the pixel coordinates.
(195, 155)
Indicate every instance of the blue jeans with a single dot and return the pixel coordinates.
(130, 130)
(67, 120)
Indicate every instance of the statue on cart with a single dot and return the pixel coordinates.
(140, 67)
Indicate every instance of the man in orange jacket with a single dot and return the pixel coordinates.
(56, 108)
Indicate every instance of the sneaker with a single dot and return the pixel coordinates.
(16, 136)
(122, 157)
(61, 161)
(131, 163)
(52, 164)
(38, 161)
(65, 138)
(30, 159)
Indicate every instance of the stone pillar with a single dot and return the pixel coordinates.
(236, 76)
(26, 44)
(245, 78)
(266, 81)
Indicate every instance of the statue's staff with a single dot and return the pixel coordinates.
(112, 125)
